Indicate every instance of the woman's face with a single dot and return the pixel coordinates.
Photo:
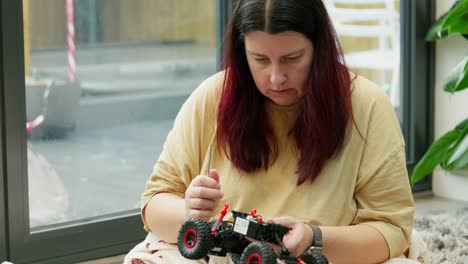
(279, 63)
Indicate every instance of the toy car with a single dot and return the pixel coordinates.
(198, 238)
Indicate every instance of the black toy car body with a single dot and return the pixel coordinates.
(198, 238)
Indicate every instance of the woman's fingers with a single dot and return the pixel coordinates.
(205, 181)
(202, 204)
(299, 238)
(284, 220)
(203, 196)
(204, 193)
(213, 174)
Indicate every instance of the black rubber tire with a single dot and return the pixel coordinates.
(258, 252)
(314, 258)
(290, 261)
(194, 239)
(235, 258)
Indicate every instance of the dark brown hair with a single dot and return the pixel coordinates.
(319, 132)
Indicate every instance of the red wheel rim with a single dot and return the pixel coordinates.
(254, 259)
(190, 238)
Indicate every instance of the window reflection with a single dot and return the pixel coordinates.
(135, 62)
(369, 32)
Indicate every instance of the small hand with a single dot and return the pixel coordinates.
(299, 238)
(202, 196)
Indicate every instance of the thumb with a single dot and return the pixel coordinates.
(213, 174)
(284, 221)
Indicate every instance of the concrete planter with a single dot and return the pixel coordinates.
(58, 101)
(451, 185)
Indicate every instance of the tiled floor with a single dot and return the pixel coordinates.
(425, 204)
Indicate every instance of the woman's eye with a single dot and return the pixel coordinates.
(261, 60)
(291, 58)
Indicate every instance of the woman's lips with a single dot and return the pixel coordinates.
(282, 92)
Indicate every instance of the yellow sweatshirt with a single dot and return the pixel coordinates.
(367, 182)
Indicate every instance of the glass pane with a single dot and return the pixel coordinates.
(104, 80)
(369, 32)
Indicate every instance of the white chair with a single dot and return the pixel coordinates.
(371, 19)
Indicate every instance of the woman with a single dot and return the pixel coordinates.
(287, 129)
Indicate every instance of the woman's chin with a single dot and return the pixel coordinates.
(284, 101)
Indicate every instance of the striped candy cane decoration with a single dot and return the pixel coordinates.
(71, 41)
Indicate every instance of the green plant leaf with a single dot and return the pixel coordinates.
(462, 129)
(436, 153)
(462, 125)
(457, 79)
(435, 31)
(459, 152)
(461, 161)
(456, 21)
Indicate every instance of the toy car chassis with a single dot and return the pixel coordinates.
(198, 238)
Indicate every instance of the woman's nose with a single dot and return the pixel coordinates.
(277, 77)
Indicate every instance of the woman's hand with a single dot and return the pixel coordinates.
(299, 238)
(203, 196)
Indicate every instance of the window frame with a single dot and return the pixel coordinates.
(417, 71)
(3, 190)
(223, 13)
(3, 175)
(72, 244)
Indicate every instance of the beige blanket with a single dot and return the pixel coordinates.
(154, 251)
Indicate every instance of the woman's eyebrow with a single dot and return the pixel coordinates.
(297, 52)
(255, 53)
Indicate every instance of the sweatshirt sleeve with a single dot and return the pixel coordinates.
(183, 152)
(383, 194)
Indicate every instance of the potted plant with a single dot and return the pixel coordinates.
(451, 150)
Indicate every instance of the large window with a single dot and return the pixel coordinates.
(97, 84)
(104, 80)
(101, 83)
